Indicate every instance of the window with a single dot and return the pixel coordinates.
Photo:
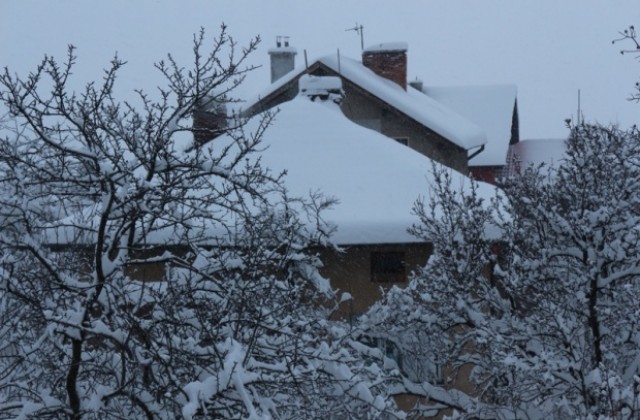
(371, 123)
(388, 348)
(388, 267)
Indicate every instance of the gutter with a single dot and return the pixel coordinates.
(476, 153)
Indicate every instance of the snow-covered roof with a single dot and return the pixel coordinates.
(535, 152)
(490, 107)
(375, 180)
(421, 108)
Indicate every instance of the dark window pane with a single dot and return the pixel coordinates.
(387, 267)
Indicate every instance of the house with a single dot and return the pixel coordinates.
(466, 128)
(376, 101)
(349, 154)
(495, 109)
(375, 181)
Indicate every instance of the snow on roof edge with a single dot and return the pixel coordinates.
(413, 104)
(387, 47)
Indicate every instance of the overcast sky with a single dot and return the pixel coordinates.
(548, 48)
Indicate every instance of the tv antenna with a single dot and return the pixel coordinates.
(579, 110)
(360, 31)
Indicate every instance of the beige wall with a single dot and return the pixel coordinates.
(362, 108)
(350, 271)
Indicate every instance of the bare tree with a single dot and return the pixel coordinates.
(629, 36)
(146, 273)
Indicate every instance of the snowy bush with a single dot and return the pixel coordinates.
(541, 322)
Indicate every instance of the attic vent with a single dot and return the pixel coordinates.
(321, 87)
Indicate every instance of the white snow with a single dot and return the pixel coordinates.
(490, 107)
(317, 85)
(387, 46)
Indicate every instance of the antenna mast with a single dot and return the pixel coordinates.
(360, 31)
(579, 110)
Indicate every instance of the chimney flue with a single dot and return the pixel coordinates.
(388, 60)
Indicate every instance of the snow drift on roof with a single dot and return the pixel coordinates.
(490, 107)
(311, 86)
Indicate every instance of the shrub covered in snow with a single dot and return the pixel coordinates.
(542, 323)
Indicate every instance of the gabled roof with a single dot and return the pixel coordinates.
(376, 181)
(421, 108)
(490, 107)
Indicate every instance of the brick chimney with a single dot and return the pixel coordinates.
(388, 60)
(283, 58)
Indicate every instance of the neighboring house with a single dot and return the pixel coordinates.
(495, 109)
(376, 183)
(465, 128)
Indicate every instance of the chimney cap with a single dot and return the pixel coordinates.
(282, 46)
(387, 47)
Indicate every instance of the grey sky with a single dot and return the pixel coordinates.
(548, 48)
